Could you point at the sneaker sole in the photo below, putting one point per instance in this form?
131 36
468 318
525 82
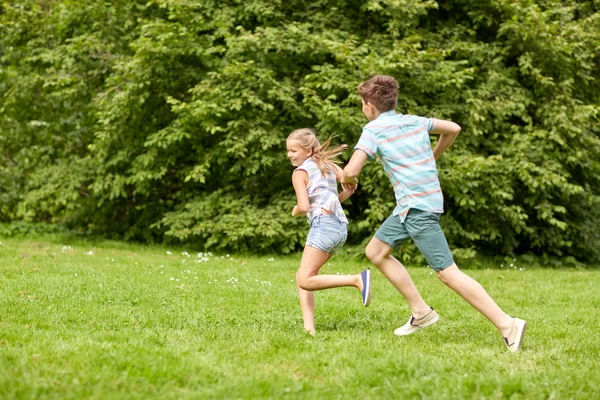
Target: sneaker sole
367 289
417 328
521 337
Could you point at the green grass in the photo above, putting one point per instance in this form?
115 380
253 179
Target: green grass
135 322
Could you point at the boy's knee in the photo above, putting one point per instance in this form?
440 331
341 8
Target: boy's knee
375 253
442 276
371 254
447 274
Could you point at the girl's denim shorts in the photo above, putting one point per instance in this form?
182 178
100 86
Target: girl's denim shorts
327 233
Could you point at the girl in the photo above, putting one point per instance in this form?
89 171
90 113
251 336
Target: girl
315 182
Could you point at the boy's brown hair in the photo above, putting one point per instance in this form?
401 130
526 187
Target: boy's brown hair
381 91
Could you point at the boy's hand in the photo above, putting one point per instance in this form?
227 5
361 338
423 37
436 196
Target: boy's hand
347 180
349 187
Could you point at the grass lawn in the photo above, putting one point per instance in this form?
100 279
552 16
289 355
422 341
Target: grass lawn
113 320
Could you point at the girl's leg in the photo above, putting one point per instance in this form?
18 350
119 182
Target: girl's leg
308 281
470 290
307 305
312 260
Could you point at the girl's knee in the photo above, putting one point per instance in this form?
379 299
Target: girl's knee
300 280
303 280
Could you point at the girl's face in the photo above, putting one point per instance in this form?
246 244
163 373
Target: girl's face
296 153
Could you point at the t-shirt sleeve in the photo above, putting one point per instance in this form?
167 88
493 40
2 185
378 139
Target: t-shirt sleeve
428 123
367 143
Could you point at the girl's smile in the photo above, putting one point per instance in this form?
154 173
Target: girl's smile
296 153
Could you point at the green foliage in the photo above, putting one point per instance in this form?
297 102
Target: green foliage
29 229
166 120
224 226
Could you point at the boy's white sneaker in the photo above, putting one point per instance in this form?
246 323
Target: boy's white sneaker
416 324
514 340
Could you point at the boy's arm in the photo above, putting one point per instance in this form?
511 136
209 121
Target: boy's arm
448 132
348 190
300 180
354 166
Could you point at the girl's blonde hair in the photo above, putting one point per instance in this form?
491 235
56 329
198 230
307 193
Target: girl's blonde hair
324 156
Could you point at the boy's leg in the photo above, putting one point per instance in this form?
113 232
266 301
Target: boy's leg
427 234
380 254
512 329
470 290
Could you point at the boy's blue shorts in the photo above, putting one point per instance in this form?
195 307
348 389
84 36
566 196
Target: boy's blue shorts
424 229
327 233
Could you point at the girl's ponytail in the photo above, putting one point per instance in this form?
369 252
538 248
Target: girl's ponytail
324 156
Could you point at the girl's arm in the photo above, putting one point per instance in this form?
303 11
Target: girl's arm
300 180
347 190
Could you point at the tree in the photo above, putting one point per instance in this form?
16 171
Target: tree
166 120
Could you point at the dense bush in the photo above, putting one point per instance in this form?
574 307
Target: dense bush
150 120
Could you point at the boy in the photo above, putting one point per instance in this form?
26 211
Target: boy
402 144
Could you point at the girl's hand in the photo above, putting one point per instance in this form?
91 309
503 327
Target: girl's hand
349 188
295 211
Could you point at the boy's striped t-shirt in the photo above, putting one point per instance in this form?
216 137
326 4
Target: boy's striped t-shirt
401 142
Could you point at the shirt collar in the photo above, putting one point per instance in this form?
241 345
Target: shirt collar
389 113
